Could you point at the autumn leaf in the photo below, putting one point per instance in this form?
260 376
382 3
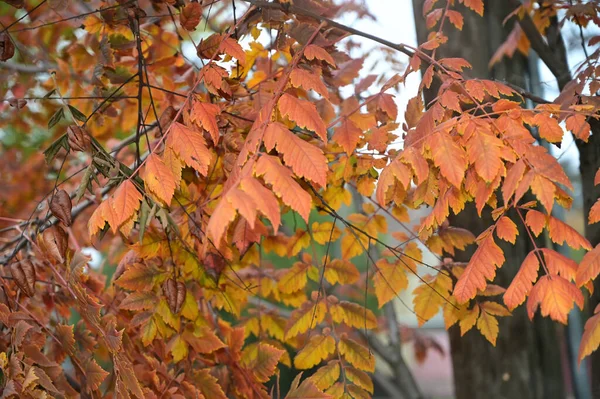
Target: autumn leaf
356 354
305 159
591 335
205 115
303 113
347 135
589 267
190 146
488 326
449 157
523 281
549 128
318 348
262 360
431 295
482 266
555 295
158 179
284 185
308 81
125 202
561 232
312 52
506 229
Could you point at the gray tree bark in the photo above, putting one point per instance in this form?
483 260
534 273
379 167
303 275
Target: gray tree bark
526 362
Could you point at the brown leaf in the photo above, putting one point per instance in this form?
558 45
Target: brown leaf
78 138
175 292
60 205
15 3
7 48
54 243
23 273
190 16
17 103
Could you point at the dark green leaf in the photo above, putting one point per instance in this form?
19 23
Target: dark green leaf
77 114
58 115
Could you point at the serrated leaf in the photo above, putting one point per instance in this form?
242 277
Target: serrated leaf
158 179
317 349
303 113
556 296
356 354
480 268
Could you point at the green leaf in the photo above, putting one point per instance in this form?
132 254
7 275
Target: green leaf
77 114
58 115
52 150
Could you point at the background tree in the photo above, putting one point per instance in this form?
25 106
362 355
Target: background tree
214 182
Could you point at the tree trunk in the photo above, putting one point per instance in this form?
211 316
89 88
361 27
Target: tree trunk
589 162
526 362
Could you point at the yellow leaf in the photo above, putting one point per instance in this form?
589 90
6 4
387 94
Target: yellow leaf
488 326
318 348
327 375
428 298
389 280
308 316
353 315
322 233
469 319
359 378
341 271
189 309
356 354
178 348
294 278
148 332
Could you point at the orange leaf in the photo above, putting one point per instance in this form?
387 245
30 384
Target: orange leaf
506 229
125 202
589 267
482 266
308 81
284 185
158 179
544 190
303 113
536 221
262 360
549 128
594 216
556 296
484 152
313 51
522 282
455 18
305 159
559 264
264 199
94 375
591 335
205 114
512 180
579 126
475 5
190 146
347 135
449 157
561 232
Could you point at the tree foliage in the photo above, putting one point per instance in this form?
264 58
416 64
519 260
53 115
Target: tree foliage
219 181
